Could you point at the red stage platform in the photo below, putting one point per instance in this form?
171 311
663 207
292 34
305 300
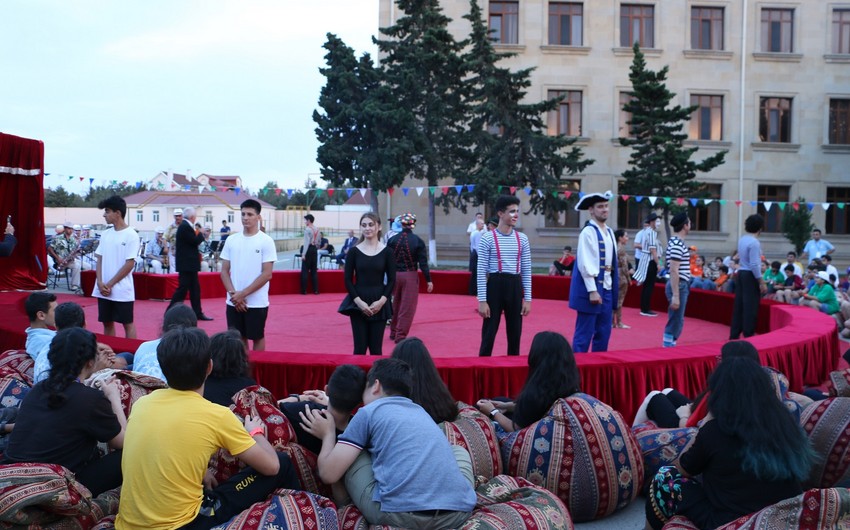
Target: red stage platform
799 342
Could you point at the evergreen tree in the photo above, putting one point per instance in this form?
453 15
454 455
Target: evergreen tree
268 193
660 164
512 147
99 193
797 224
61 198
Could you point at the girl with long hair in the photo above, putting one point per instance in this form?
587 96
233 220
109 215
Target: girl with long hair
230 372
552 375
61 420
428 391
750 454
368 301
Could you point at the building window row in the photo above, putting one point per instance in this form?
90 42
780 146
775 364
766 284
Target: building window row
637 25
837 219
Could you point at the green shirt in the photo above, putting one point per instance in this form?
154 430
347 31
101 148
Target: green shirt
770 277
826 296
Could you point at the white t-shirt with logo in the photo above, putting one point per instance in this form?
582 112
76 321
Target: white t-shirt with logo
115 248
246 256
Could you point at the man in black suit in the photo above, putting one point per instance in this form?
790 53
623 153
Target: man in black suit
188 261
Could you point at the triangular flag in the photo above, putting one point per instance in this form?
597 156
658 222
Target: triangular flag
513 190
363 192
554 194
200 189
277 191
679 200
499 189
667 200
238 190
405 191
707 201
391 191
330 192
70 177
767 205
753 203
810 206
722 202
459 189
840 205
580 194
638 198
432 189
419 190
781 205
693 202
212 188
795 205
470 188
625 197
652 200
527 190
138 185
825 205
567 194
737 203
349 191
289 193
319 192
445 190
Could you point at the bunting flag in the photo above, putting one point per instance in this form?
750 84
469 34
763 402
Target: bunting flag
527 190
405 191
419 191
445 190
459 189
470 187
363 192
825 205
767 205
638 198
349 191
391 191
652 200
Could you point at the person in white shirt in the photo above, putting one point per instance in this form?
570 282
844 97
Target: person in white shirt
247 261
830 269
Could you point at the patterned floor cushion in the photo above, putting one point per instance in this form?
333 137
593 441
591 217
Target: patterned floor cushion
815 509
350 518
287 510
47 496
18 364
780 384
133 385
583 451
838 384
475 432
12 391
660 447
828 425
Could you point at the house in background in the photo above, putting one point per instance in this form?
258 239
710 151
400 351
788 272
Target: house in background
168 181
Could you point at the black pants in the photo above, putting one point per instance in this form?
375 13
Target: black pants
473 268
241 491
662 409
101 475
504 294
310 265
746 309
368 334
188 281
648 286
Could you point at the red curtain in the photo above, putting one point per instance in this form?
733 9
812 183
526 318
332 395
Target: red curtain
22 197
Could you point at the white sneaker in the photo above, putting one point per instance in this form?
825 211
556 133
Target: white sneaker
640 415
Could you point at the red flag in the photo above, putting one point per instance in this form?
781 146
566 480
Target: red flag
567 194
737 203
277 191
625 197
331 192
795 205
680 201
391 191
445 190
513 190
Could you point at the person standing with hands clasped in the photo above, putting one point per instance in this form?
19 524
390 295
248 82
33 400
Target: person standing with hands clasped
368 301
678 257
749 285
310 255
504 278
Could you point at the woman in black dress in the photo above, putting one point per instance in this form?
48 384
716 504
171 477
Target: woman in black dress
368 265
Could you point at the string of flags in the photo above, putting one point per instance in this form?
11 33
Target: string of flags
460 188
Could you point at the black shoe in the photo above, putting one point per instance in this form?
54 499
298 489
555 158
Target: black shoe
204 317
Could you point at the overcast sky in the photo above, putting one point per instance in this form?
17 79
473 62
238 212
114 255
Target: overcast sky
120 90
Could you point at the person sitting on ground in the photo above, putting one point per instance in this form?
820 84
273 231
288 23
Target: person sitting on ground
341 396
750 454
428 391
230 372
146 361
40 308
821 296
552 375
563 266
774 278
62 420
792 284
429 487
171 435
722 278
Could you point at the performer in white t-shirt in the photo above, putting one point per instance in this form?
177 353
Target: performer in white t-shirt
247 261
116 259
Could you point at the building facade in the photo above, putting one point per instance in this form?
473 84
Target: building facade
771 79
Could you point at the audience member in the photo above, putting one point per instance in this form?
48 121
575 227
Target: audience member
563 266
230 372
792 284
791 259
749 455
350 241
625 270
224 231
699 276
170 438
146 361
40 308
62 420
156 253
821 296
323 245
552 375
430 487
64 249
473 226
171 239
429 391
722 278
830 269
816 248
774 278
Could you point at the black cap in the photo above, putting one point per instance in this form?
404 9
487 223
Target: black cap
651 217
679 221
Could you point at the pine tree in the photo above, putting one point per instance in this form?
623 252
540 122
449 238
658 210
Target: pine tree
661 165
61 198
797 224
512 147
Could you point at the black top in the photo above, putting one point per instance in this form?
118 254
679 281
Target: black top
67 435
409 251
364 277
221 389
731 491
186 253
291 410
8 245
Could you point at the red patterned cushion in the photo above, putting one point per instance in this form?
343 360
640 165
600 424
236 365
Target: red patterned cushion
46 495
515 503
475 432
584 452
827 423
133 385
838 384
350 518
287 509
815 509
18 364
661 447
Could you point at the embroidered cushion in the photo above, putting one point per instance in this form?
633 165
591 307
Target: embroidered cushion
287 510
12 391
828 425
133 385
509 502
475 432
660 447
780 384
815 509
838 384
583 451
18 364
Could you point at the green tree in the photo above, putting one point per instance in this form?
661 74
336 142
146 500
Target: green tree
61 198
797 224
660 163
98 193
512 147
269 194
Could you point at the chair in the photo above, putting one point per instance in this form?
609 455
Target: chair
328 261
296 259
54 274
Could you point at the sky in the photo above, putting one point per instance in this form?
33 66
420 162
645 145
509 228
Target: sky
121 90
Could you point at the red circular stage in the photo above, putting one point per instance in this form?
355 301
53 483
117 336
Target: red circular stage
307 338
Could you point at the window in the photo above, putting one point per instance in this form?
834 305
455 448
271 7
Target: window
504 22
637 25
707 28
775 120
230 216
156 216
565 24
624 130
837 219
706 217
208 218
630 214
566 119
569 218
777 30
772 218
707 120
839 121
140 216
841 31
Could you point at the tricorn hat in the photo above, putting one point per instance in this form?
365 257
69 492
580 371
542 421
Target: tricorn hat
592 198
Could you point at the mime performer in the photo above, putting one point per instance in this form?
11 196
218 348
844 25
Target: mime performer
593 289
